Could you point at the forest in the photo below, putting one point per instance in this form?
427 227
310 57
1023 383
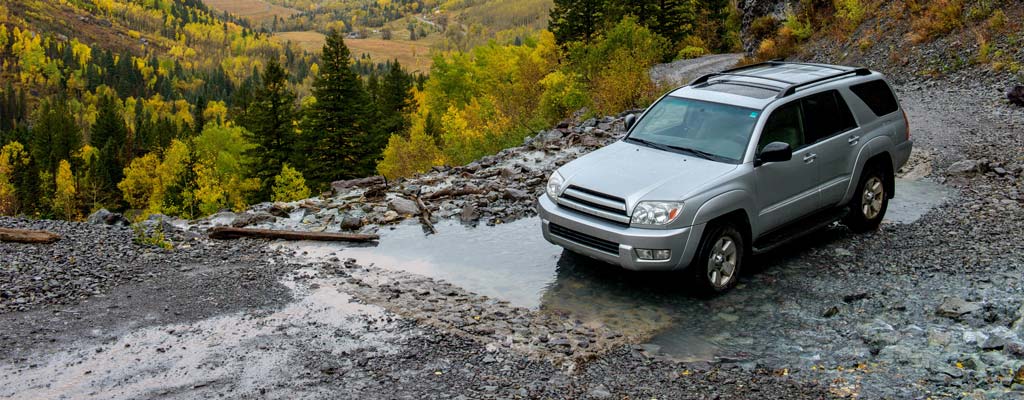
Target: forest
165 106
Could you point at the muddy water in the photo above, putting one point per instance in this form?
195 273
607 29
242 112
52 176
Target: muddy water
513 262
242 352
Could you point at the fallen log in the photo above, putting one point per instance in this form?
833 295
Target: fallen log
224 232
27 236
425 215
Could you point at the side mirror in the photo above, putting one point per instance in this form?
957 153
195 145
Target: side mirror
774 152
630 121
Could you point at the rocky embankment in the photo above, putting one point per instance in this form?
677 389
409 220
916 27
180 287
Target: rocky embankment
491 190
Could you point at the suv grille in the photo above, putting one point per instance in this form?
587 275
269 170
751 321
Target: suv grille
597 204
584 239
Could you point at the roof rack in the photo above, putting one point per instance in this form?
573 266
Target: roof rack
791 87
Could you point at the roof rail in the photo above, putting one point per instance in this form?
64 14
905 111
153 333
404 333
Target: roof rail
792 88
732 71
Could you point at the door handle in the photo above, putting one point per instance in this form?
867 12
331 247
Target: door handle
853 140
810 157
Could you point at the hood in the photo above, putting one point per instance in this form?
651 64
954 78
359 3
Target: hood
635 172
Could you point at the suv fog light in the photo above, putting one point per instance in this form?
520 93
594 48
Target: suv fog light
649 254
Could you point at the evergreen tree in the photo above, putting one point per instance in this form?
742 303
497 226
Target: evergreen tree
269 123
55 136
339 138
576 20
395 100
109 135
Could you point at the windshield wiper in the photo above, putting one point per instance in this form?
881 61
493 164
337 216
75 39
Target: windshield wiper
702 154
649 143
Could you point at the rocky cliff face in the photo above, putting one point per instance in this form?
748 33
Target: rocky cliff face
754 9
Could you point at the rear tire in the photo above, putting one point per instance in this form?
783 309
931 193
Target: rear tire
718 263
867 208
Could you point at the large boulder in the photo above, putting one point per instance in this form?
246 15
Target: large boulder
105 217
1016 95
404 206
964 167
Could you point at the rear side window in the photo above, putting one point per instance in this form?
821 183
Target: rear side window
878 96
826 114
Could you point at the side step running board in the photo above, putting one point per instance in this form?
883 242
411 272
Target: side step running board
799 229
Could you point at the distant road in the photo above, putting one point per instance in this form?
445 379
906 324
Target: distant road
682 71
427 21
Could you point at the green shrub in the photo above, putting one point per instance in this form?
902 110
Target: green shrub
689 52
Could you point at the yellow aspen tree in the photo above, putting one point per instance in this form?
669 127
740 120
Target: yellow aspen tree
64 201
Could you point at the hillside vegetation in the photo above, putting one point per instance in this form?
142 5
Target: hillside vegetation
924 38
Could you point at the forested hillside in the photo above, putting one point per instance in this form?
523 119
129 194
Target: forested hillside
155 105
165 106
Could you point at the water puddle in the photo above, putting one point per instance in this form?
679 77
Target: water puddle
246 351
914 198
513 262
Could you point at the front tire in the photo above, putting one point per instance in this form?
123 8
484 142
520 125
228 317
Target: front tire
867 208
720 259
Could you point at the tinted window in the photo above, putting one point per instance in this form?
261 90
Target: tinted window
783 125
878 97
826 114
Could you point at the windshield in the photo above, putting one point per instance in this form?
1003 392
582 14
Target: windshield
711 130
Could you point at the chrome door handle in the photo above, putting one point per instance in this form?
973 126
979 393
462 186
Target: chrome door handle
853 139
810 157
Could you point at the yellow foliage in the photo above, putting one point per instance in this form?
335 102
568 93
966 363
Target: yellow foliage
407 157
64 200
289 185
622 85
141 182
216 112
939 17
12 155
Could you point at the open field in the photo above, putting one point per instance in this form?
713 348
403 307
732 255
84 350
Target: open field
414 55
255 10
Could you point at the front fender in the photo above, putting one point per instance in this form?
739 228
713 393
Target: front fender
725 203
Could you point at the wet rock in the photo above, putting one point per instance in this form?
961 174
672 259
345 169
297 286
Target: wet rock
280 210
349 222
516 194
403 206
105 217
338 186
469 214
390 216
247 219
954 307
964 167
599 393
850 298
1016 95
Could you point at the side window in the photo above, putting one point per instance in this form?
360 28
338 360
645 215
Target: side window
826 114
878 96
784 125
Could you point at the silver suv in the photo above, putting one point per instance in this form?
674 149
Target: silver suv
733 164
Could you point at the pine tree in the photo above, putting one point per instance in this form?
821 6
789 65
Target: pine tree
109 135
55 136
269 120
576 20
395 100
339 137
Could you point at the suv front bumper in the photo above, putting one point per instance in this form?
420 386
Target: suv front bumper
596 238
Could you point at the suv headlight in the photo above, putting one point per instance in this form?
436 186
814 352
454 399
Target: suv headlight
656 212
555 183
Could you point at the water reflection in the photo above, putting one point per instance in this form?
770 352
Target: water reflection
777 295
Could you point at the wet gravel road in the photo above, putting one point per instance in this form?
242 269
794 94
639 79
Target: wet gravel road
932 305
